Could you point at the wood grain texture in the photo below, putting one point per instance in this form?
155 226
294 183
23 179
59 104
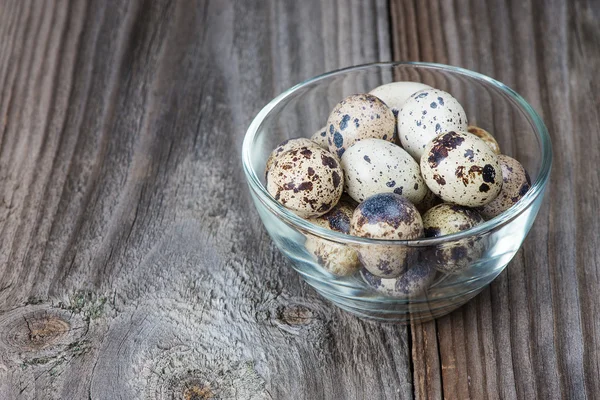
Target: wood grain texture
534 332
131 265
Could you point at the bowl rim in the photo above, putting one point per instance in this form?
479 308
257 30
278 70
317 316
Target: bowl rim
537 188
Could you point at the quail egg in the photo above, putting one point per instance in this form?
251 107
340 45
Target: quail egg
425 115
486 137
320 138
307 180
445 219
357 117
286 145
396 93
460 168
516 183
410 284
374 166
386 216
429 201
336 258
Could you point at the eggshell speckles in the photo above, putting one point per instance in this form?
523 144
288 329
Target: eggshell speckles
386 216
486 137
287 145
374 166
338 259
445 219
396 93
357 117
460 168
410 284
425 115
516 183
320 138
429 201
307 180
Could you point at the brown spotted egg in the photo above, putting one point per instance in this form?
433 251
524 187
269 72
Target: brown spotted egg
374 166
460 168
486 137
445 219
429 201
396 93
425 115
516 183
287 145
357 117
338 259
307 180
410 284
386 216
320 138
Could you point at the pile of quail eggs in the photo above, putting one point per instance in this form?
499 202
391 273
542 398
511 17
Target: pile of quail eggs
398 163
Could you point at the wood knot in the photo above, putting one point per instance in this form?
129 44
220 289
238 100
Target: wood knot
296 315
38 331
45 331
306 321
168 376
197 392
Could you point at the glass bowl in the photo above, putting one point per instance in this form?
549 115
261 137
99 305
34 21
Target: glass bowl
487 248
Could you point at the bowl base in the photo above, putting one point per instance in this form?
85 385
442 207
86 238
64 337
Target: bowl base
417 312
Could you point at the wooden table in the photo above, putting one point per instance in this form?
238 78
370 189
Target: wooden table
132 264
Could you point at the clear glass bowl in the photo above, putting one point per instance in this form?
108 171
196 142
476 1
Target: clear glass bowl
303 109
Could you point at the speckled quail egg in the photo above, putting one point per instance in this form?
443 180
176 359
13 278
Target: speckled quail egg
338 259
374 166
320 138
410 284
307 180
386 216
460 168
445 219
396 93
287 145
486 137
516 183
425 115
429 201
357 117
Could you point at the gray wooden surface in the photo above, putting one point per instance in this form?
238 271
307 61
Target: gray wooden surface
132 265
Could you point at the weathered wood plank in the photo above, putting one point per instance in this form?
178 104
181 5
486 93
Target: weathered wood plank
426 362
584 42
534 332
131 265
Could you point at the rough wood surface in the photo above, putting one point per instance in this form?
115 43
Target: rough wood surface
535 333
131 265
